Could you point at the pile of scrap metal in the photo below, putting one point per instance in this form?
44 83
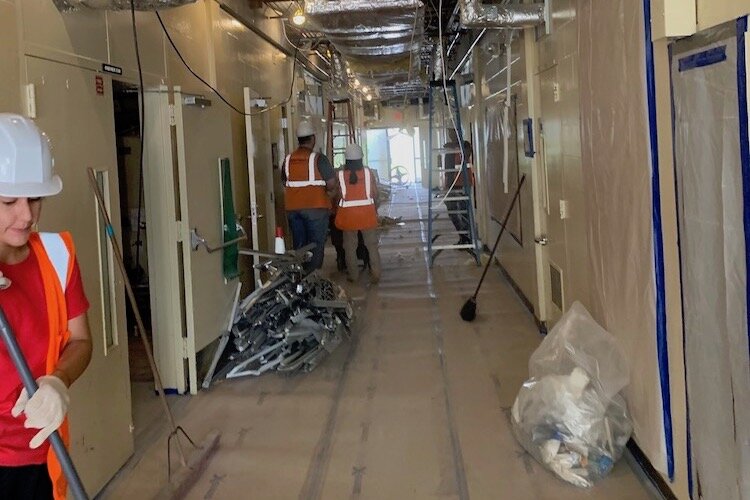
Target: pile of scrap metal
290 323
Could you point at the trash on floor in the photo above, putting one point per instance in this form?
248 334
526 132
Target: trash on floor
570 414
290 323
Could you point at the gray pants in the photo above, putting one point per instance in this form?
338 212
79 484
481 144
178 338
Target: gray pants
370 237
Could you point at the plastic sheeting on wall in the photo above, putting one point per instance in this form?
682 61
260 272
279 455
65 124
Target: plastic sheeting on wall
617 180
711 211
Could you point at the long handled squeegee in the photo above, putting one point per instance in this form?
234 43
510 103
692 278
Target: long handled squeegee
74 482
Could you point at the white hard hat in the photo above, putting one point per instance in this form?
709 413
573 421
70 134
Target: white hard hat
305 129
25 160
353 152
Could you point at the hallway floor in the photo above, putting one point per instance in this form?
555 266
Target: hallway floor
416 406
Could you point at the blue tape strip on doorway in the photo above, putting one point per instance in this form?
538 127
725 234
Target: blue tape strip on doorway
744 147
661 316
703 59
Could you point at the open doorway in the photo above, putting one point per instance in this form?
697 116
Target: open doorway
133 220
395 154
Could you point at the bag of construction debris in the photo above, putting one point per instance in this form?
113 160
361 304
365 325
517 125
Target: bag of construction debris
570 414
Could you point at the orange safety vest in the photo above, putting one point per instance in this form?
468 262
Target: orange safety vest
304 187
56 255
357 207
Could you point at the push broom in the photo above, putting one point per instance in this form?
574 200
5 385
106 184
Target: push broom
181 483
469 310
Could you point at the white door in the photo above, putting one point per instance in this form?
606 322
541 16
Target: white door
100 411
260 175
204 138
553 237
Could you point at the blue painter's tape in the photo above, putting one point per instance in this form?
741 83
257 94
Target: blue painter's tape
110 231
661 314
744 146
703 59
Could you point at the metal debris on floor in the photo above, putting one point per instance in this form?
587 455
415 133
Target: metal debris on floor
290 323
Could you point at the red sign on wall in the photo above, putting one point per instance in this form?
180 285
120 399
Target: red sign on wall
99 85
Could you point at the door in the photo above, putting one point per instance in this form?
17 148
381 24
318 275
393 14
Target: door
100 410
203 140
712 171
260 175
553 237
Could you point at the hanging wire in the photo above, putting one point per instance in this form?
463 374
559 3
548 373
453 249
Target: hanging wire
219 95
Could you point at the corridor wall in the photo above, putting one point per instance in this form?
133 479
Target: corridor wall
617 180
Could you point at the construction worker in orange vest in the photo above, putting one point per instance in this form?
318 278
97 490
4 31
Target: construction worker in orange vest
357 211
42 295
309 186
456 179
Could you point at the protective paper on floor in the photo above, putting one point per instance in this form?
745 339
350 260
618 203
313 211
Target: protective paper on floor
617 183
714 274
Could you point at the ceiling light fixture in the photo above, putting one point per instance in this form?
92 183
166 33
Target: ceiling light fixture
299 17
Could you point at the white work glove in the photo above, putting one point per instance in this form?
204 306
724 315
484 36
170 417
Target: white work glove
45 410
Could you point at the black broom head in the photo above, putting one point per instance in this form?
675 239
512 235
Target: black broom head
469 310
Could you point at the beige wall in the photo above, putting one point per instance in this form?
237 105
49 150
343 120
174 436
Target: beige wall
714 12
517 252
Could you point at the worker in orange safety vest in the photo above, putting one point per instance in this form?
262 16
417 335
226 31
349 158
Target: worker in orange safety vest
42 295
357 211
309 185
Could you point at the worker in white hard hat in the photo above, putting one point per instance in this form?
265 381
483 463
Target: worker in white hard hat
42 296
309 186
358 211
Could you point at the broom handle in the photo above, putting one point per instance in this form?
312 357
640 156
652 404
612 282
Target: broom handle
136 310
22 367
502 230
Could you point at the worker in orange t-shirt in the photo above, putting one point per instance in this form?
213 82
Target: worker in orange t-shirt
42 295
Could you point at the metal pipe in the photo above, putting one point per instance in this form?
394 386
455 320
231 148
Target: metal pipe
22 367
474 14
73 5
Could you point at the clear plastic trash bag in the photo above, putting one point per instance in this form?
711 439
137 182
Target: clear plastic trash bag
570 415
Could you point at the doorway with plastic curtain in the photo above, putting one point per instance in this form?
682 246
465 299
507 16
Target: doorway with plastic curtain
712 171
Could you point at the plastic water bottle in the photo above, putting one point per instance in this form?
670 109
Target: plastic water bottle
279 246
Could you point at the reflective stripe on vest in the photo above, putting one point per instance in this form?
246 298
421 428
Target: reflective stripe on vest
58 254
311 180
344 203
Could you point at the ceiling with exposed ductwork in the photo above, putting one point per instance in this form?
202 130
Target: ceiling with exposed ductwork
386 49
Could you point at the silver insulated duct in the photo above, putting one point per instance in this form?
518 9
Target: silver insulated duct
474 14
71 5
380 39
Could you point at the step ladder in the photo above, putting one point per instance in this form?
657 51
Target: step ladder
340 112
443 104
